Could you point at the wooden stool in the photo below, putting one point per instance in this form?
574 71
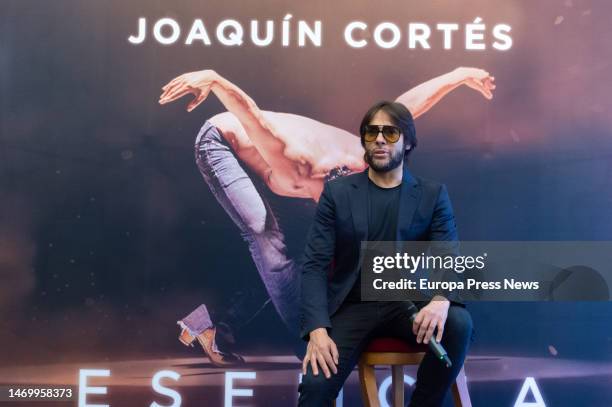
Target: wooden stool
397 353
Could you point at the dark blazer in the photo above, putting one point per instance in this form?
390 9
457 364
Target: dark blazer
341 223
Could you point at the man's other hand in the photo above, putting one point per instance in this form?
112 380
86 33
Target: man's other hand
321 350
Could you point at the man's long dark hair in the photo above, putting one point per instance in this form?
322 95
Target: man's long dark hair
400 116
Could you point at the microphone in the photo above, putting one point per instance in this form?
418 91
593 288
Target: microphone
436 348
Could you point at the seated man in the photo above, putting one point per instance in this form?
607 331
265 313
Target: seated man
383 203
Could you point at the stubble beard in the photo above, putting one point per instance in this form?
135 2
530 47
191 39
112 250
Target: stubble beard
384 165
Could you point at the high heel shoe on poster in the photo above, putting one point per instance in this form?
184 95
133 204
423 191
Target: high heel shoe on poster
199 321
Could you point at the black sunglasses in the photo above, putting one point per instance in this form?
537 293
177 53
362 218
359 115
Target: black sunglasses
390 133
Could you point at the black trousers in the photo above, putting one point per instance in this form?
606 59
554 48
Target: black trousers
356 323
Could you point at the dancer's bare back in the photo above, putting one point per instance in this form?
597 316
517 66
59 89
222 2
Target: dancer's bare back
308 144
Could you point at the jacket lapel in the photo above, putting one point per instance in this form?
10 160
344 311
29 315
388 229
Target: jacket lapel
410 194
359 205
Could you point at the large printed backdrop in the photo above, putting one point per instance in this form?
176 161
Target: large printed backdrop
109 233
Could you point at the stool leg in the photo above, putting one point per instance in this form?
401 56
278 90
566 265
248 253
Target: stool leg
461 396
367 378
397 382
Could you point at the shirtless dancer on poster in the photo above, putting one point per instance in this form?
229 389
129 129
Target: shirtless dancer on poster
293 155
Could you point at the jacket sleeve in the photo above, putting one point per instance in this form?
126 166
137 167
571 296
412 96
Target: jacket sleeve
443 227
444 239
318 254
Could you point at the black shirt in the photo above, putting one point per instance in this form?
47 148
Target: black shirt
383 205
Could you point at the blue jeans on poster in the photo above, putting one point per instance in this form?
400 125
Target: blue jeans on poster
251 212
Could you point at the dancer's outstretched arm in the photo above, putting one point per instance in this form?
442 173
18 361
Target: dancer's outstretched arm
261 132
423 97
